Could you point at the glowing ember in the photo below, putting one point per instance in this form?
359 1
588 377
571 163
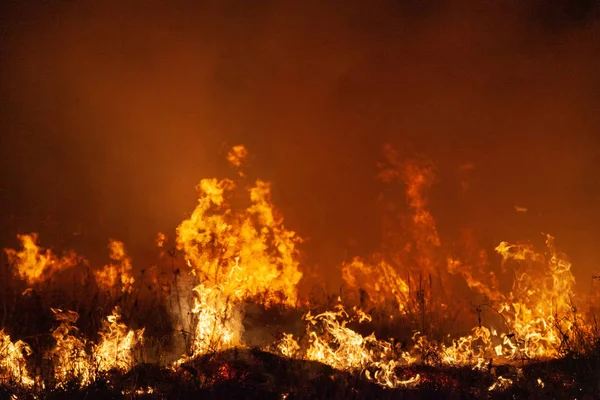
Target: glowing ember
237 155
501 384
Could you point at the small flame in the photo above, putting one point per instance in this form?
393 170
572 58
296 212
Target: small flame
501 384
236 157
33 264
161 238
118 273
115 350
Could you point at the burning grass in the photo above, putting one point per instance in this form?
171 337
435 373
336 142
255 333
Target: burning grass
220 313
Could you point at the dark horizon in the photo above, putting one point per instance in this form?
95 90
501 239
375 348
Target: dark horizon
111 113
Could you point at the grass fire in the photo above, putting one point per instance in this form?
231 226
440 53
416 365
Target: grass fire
340 199
419 317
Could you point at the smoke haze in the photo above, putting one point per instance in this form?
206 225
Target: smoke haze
111 112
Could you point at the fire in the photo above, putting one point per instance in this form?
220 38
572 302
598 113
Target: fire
470 350
338 345
538 312
288 346
236 255
239 251
380 281
13 363
333 343
501 384
118 273
540 382
115 350
70 355
218 325
237 155
161 238
540 300
33 264
77 359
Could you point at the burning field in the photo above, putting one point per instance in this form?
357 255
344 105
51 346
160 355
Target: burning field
339 199
220 312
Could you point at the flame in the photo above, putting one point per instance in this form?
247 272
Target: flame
288 346
70 357
35 265
238 250
380 281
236 255
115 350
333 343
79 360
219 323
501 384
161 238
141 391
237 155
118 273
540 298
471 350
457 267
13 364
350 351
538 312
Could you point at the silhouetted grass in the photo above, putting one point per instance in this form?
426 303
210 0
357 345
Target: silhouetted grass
25 313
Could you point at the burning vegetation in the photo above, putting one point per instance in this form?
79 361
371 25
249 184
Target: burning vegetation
418 317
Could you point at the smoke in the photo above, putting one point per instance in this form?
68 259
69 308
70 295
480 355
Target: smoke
112 111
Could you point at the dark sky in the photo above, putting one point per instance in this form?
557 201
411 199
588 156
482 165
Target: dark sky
111 112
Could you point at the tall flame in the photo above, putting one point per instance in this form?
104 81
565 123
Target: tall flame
236 255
